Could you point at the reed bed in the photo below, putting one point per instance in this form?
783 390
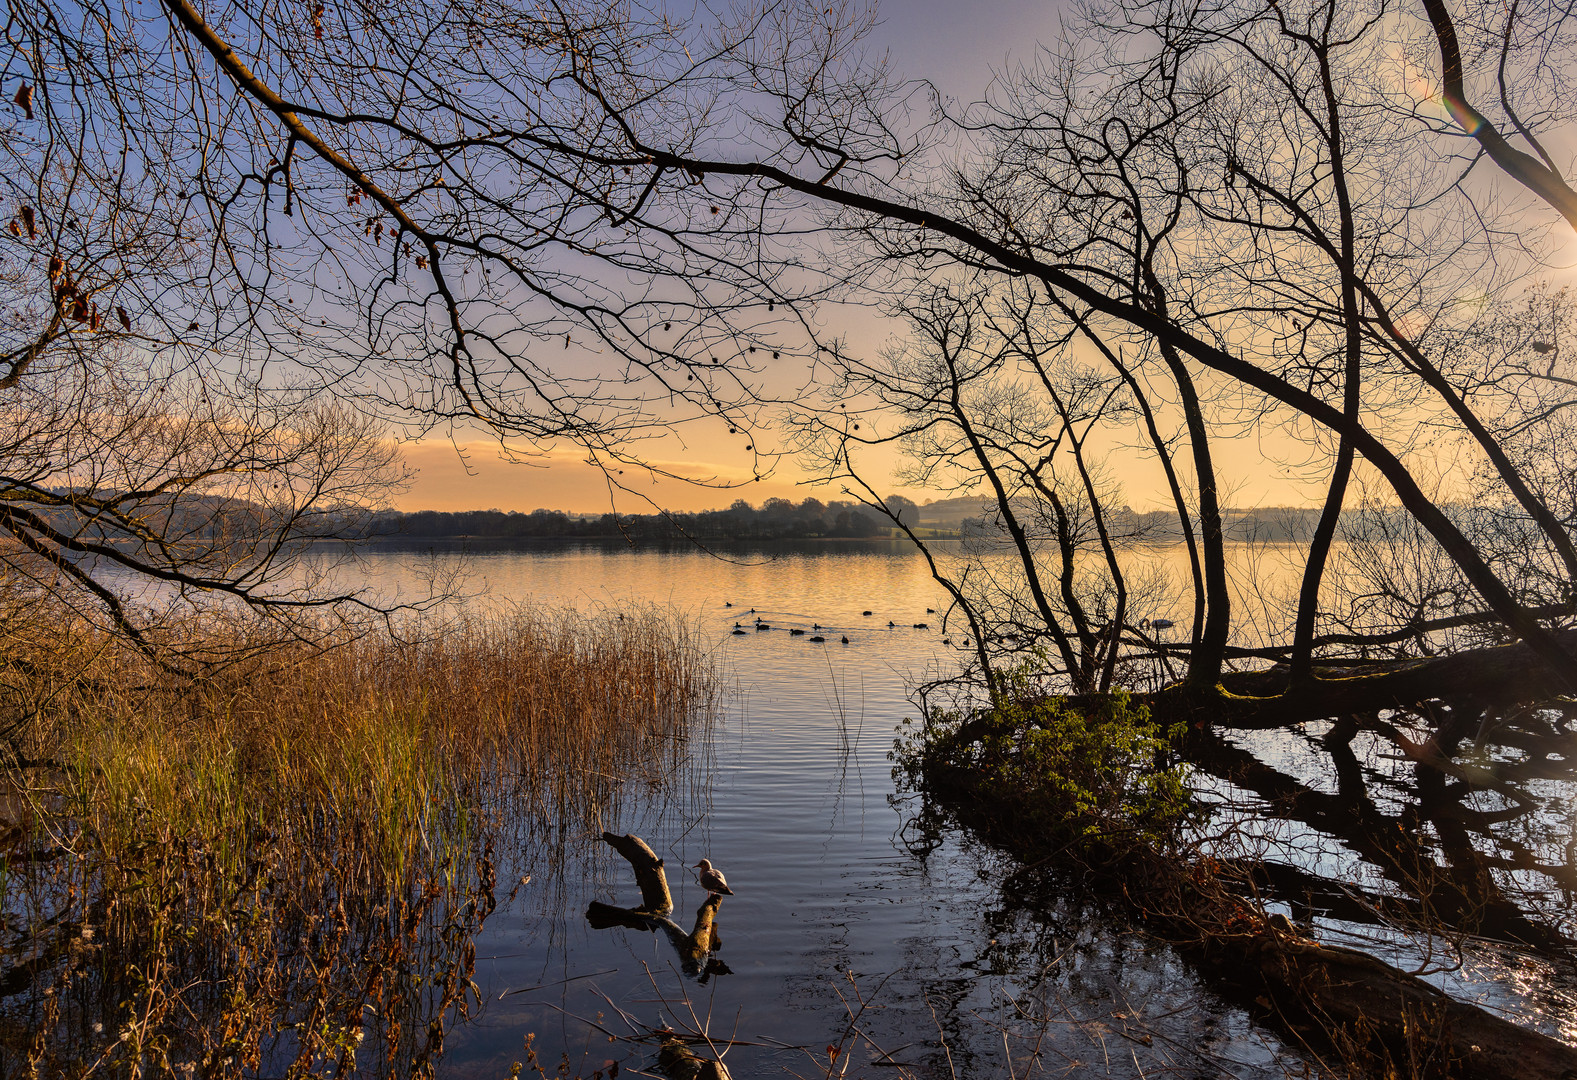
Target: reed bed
282 867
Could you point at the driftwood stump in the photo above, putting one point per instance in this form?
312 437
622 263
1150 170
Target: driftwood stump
655 898
694 949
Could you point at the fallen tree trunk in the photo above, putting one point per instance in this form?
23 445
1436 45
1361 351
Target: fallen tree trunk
1501 673
1328 992
1469 903
1261 699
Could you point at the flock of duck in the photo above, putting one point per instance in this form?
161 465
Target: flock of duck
816 629
759 624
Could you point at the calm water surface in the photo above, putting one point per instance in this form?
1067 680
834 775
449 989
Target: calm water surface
792 796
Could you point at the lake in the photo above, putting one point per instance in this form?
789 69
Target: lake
842 907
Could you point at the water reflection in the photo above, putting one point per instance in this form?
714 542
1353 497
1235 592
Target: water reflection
897 940
835 915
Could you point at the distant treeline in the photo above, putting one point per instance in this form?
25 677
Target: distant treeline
781 519
776 519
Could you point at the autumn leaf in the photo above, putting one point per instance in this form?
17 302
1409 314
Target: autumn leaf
24 99
125 319
29 223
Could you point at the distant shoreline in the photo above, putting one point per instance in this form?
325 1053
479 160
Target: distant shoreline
780 519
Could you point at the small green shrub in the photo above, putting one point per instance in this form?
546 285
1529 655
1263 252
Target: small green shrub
1075 774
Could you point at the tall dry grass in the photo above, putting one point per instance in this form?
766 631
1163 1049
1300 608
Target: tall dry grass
261 868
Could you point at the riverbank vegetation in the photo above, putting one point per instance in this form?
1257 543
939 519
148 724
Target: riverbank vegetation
282 867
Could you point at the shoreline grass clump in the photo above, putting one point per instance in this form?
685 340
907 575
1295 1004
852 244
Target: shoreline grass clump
282 866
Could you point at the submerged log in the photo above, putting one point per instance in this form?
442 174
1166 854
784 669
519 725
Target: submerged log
1329 990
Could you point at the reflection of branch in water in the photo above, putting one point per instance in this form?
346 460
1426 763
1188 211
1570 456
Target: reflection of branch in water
694 949
1389 843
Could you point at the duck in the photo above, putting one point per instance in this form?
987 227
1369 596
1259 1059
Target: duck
795 631
865 613
712 880
818 638
845 639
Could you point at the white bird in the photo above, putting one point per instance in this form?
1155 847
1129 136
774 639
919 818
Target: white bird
712 880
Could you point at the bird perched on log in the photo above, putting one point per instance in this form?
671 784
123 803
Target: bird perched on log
712 880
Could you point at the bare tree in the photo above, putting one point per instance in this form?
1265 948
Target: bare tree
147 469
1238 202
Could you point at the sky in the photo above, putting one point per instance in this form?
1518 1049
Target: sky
958 47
